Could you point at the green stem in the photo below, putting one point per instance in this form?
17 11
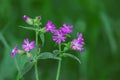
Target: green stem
58 71
18 76
36 38
36 71
19 72
59 65
59 47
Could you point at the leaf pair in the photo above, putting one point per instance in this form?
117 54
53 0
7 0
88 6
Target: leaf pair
48 55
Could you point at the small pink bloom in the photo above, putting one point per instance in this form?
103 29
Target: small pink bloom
14 51
27 46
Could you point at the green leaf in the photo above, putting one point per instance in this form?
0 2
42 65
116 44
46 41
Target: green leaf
72 56
48 55
28 28
18 76
42 38
67 46
20 62
56 52
27 66
67 35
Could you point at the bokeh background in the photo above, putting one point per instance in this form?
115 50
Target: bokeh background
98 20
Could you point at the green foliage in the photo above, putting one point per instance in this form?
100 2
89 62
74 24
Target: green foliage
27 66
42 38
28 28
71 56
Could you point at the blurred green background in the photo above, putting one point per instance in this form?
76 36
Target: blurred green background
98 20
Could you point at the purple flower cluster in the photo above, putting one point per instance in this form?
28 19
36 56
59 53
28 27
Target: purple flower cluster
59 35
27 47
77 44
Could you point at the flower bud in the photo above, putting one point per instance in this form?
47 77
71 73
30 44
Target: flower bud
39 17
28 55
37 21
28 19
21 52
25 17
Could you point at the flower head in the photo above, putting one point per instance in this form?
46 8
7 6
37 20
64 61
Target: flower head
27 46
50 26
59 36
14 51
66 29
77 44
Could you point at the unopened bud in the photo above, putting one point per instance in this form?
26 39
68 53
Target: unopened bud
28 55
28 19
25 17
21 52
39 17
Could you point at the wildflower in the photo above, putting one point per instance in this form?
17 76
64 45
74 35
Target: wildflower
27 46
66 29
77 44
80 38
14 51
50 26
59 36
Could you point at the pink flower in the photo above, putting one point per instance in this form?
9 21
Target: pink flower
14 51
59 36
77 44
27 46
50 26
66 29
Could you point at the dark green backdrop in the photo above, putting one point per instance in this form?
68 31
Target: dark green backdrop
98 20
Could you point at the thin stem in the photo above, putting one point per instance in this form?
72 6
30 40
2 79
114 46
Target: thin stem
16 63
59 47
36 71
36 37
58 71
59 65
19 73
18 76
